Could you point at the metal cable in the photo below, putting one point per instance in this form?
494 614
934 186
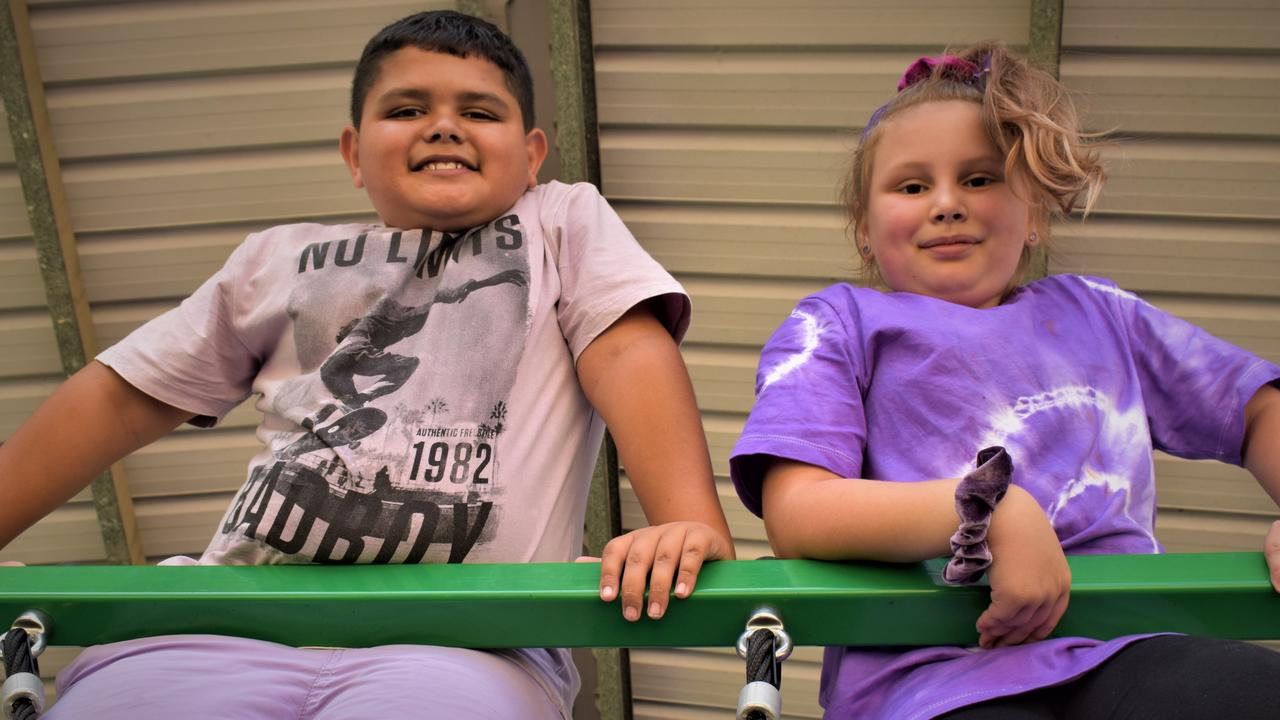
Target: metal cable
18 659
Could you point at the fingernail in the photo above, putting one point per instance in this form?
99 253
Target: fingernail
655 611
631 614
682 589
607 593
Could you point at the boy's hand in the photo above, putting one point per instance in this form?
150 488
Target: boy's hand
11 563
661 554
1030 578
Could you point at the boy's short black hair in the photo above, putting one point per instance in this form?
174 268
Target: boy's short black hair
452 33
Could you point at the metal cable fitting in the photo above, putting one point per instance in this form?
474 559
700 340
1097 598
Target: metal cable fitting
20 686
37 624
766 618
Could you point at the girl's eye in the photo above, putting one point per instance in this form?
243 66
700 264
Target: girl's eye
913 188
981 181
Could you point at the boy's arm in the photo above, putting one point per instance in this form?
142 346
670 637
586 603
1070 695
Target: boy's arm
635 378
811 512
1261 453
92 420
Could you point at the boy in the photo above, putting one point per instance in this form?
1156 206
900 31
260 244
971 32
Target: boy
429 389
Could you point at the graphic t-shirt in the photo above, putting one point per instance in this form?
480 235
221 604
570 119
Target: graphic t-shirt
1075 377
417 388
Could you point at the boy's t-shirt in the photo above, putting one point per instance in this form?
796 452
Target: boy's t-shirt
418 390
1075 377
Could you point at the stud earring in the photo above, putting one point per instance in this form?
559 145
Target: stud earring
1033 238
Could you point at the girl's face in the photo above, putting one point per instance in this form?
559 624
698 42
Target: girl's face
942 220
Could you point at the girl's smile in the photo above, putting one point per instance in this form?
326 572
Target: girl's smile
942 219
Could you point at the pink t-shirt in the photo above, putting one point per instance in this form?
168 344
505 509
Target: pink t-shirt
418 395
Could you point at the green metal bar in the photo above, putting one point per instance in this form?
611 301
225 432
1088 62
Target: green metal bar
1220 594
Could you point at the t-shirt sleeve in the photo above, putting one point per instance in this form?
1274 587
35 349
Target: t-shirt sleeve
1194 385
604 272
192 357
809 400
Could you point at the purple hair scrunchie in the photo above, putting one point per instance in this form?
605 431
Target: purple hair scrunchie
976 498
921 69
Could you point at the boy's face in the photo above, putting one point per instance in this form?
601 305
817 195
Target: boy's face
441 143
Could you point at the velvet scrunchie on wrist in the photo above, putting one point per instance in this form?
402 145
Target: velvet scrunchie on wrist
976 498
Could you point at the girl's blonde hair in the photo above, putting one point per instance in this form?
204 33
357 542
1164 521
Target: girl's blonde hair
1029 116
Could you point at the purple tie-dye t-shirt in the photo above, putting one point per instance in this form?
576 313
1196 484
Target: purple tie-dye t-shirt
1077 378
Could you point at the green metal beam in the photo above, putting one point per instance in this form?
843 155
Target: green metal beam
1221 594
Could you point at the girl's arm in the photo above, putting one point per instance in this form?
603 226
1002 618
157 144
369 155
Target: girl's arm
1261 453
92 420
635 378
811 512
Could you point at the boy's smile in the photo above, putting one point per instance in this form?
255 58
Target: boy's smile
441 143
942 219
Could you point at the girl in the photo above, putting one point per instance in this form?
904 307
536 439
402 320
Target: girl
1065 384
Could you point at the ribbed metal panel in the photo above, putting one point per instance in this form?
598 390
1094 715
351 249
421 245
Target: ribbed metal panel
726 127
1187 25
1190 218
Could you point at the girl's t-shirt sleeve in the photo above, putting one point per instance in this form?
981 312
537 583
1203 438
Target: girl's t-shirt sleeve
809 397
1194 385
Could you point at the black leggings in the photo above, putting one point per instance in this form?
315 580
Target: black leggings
1169 677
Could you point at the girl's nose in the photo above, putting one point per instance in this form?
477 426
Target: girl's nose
948 206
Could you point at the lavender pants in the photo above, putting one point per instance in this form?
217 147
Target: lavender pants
210 677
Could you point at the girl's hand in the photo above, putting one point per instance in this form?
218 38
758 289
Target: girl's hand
1271 550
664 553
1030 578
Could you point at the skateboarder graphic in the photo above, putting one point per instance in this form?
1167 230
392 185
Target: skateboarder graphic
363 342
348 429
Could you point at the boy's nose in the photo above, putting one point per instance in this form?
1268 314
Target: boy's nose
444 129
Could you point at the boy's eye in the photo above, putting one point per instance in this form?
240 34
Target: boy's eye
405 112
479 115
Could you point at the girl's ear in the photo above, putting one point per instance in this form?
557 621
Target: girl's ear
1038 225
862 240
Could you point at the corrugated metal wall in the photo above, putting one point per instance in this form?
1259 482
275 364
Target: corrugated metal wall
725 125
1191 217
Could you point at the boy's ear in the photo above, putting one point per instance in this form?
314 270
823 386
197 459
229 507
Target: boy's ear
349 146
535 143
